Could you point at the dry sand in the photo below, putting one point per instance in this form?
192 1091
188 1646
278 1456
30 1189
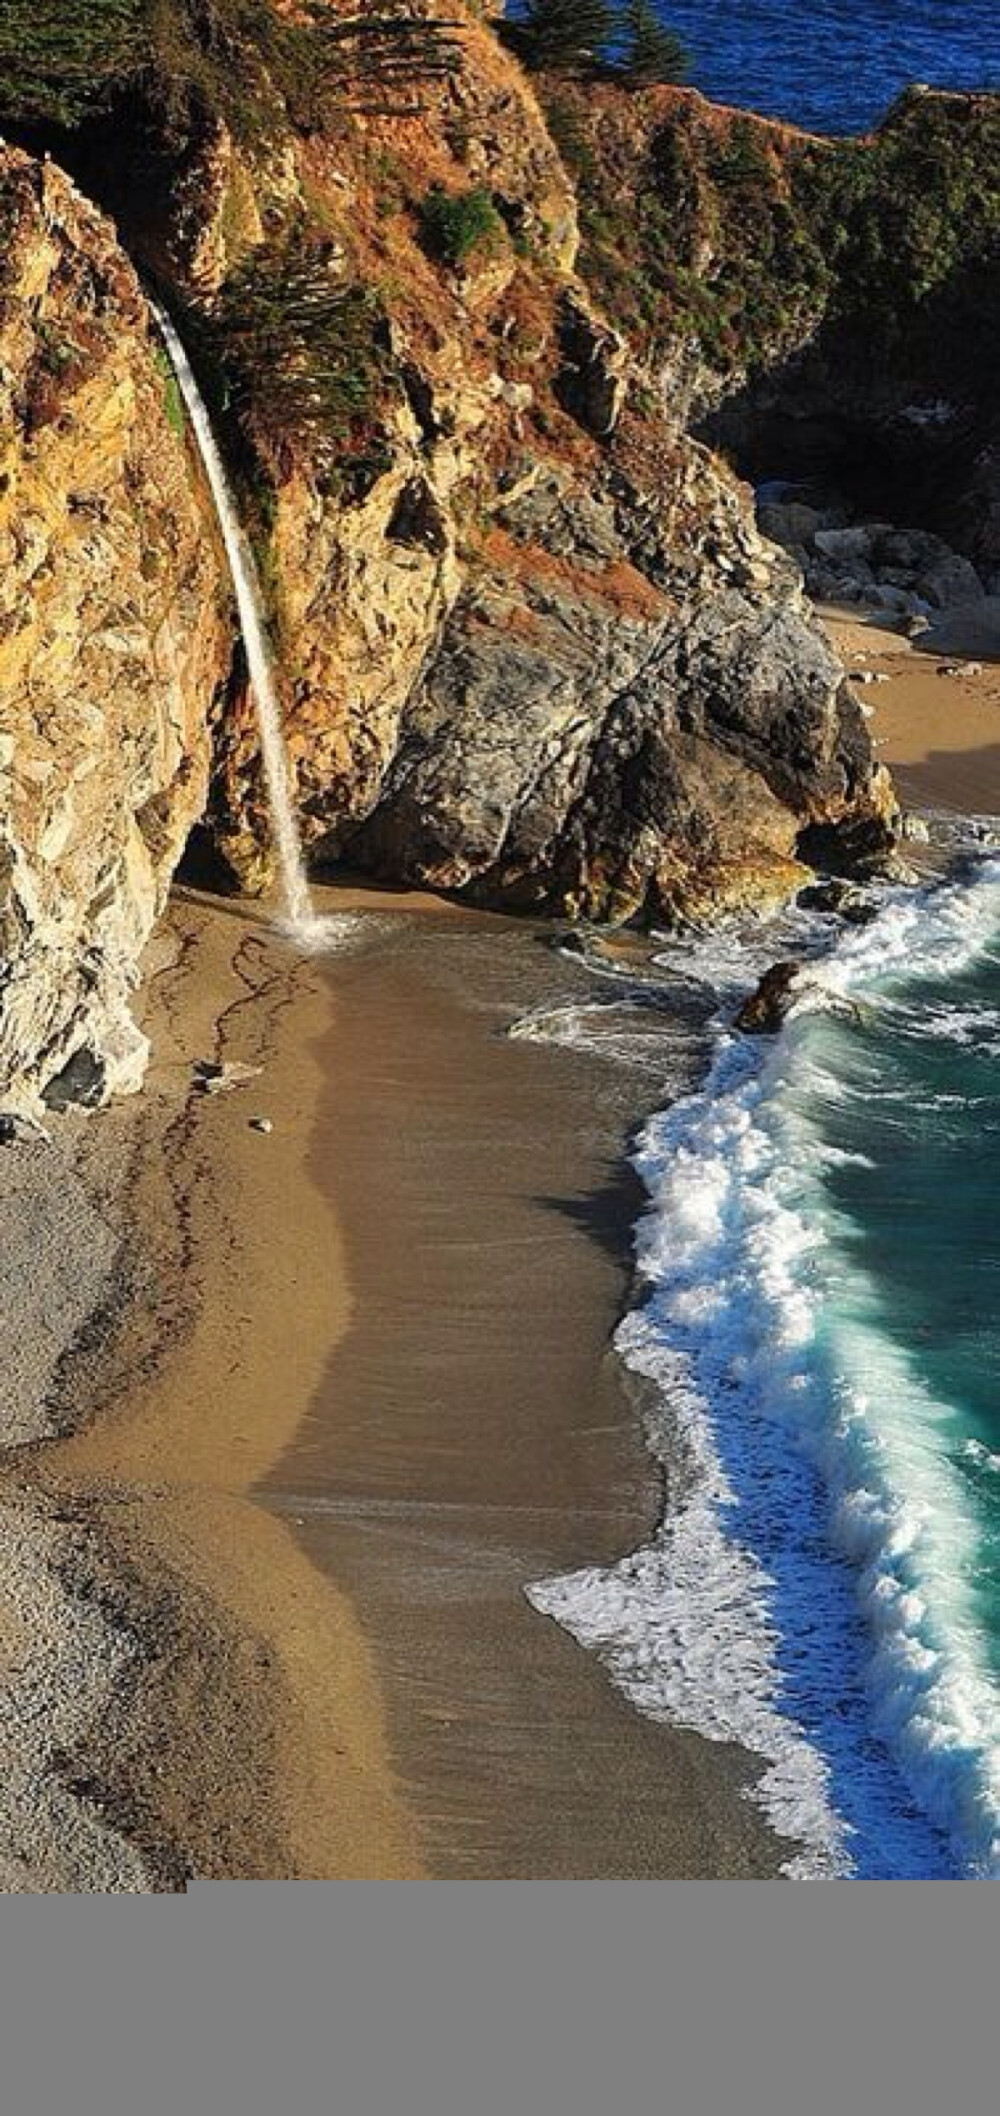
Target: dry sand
936 726
246 1733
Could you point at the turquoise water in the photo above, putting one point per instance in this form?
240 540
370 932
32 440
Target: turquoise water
835 65
920 1205
820 1313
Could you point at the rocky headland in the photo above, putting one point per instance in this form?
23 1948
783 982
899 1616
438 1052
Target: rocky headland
552 411
488 359
492 363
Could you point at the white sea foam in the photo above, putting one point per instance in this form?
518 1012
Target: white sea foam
807 1588
984 1457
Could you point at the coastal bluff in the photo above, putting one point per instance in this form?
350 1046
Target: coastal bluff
533 645
114 637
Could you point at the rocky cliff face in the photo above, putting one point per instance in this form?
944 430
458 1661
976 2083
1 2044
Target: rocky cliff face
815 307
112 641
533 646
535 650
648 717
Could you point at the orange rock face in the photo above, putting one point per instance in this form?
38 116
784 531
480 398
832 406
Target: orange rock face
112 641
532 647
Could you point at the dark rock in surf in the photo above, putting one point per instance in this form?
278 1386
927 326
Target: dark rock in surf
768 1008
839 899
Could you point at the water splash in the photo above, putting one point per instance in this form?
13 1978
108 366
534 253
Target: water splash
303 924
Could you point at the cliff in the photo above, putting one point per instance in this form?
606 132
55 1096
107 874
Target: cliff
112 642
811 306
533 645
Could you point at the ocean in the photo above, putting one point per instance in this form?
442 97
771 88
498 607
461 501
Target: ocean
819 1320
835 65
817 1316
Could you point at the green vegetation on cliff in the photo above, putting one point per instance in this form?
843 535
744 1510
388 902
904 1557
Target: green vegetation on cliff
622 38
60 65
739 239
186 62
454 224
302 359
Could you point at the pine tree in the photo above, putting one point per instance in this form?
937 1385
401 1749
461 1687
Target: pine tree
58 62
649 52
566 35
384 50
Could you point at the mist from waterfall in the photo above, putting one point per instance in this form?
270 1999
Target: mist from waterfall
305 925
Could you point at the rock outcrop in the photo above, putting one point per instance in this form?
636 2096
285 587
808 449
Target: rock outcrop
535 650
905 572
112 642
533 645
614 722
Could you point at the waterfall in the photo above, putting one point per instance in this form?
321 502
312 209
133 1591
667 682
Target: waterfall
298 904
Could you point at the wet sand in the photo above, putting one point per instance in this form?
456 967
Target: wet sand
351 1392
473 1432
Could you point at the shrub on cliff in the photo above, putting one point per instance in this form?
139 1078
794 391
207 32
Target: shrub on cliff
453 224
58 63
376 59
303 357
61 65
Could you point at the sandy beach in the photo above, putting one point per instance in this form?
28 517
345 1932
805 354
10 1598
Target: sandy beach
347 1392
239 1729
936 721
296 1415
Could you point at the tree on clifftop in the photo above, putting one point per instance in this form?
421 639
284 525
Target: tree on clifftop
649 52
564 35
622 40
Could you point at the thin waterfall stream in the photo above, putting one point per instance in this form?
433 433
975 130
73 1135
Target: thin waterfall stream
305 926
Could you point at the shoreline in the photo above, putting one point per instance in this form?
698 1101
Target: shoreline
275 1634
483 1432
256 1721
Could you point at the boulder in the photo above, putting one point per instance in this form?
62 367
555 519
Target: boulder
225 1078
839 899
848 545
951 580
790 523
768 1008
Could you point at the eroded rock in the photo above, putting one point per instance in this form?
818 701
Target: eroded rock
112 641
768 1008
